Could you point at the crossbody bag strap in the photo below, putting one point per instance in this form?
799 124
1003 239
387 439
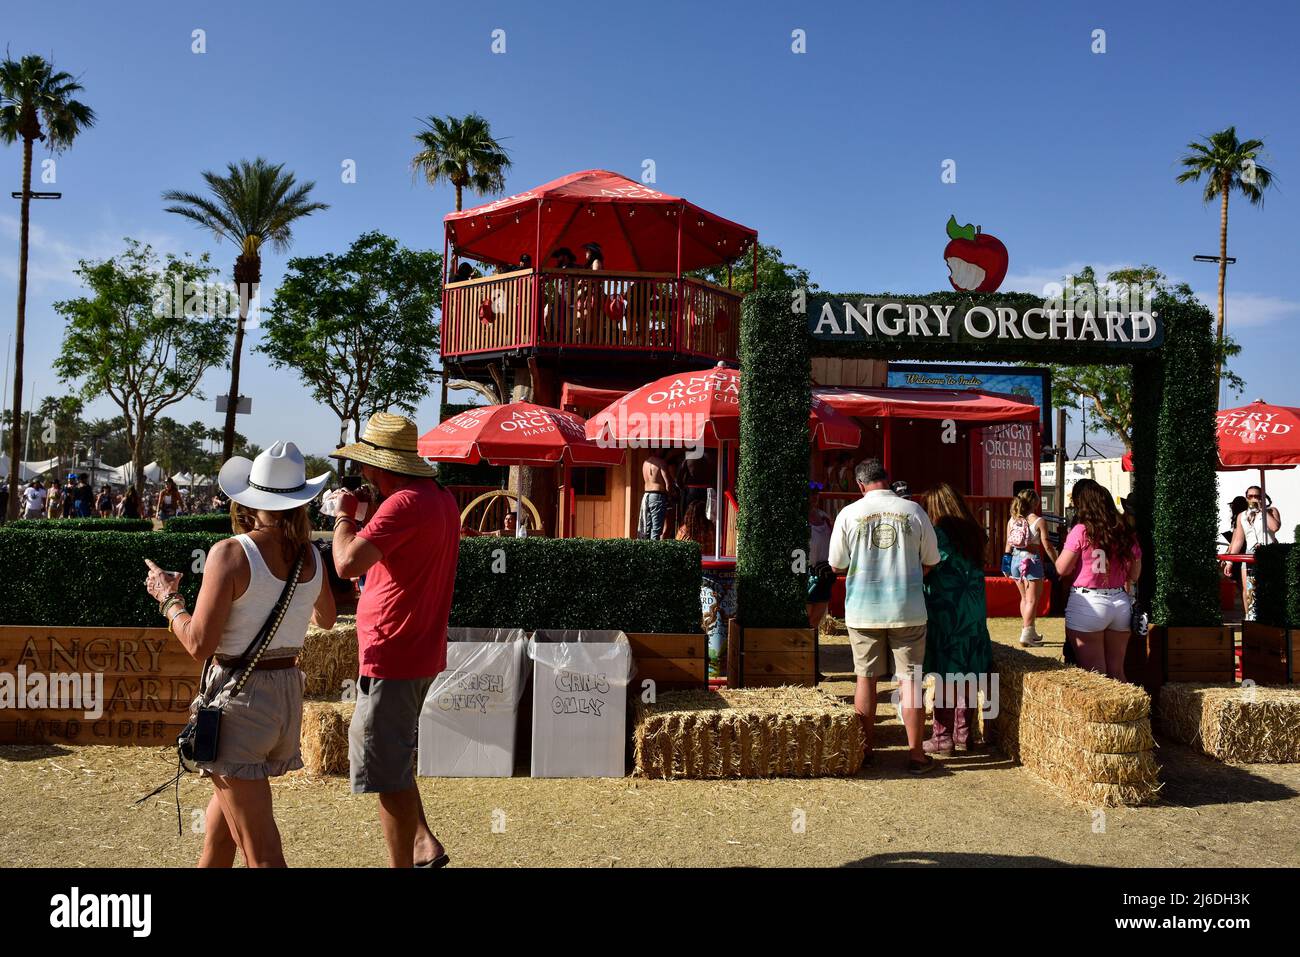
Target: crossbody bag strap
264 637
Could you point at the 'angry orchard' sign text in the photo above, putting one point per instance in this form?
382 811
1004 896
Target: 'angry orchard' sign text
894 320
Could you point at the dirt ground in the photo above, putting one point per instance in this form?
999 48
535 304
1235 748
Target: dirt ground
63 806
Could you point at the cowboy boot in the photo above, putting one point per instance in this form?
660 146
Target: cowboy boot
941 741
965 735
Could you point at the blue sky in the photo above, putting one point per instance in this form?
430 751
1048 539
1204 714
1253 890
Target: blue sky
834 155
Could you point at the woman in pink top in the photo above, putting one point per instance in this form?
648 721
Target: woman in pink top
1103 549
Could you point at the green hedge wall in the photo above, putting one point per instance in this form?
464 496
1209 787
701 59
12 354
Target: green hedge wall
1174 401
578 583
217 523
772 482
546 583
85 524
89 580
1277 585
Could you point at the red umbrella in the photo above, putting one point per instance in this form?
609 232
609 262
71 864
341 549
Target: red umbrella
691 408
701 408
1258 435
519 433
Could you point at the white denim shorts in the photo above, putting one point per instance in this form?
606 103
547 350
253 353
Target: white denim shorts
1099 609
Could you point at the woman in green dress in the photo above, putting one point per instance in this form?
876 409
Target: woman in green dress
957 640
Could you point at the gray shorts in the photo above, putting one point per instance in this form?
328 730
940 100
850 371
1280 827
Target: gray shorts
261 728
384 732
872 645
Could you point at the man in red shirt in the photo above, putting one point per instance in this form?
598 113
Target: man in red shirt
407 550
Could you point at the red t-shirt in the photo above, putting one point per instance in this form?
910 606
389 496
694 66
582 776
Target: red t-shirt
402 614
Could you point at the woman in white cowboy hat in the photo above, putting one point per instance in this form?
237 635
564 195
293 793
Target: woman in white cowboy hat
243 579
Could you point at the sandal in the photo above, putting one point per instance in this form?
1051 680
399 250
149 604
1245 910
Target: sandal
442 860
920 767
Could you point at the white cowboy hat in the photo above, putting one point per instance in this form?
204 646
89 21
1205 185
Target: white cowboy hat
275 481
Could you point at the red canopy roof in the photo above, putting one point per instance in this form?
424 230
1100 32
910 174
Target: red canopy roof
635 225
970 405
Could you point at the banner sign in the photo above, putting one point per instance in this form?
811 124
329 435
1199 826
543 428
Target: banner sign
832 319
1032 384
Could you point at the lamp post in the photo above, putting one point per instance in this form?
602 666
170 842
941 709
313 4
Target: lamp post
1223 325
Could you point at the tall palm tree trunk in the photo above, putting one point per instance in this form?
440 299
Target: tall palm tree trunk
1223 280
247 273
16 428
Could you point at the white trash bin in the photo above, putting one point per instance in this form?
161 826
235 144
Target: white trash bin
468 722
580 681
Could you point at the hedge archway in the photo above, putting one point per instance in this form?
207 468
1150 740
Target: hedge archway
1174 492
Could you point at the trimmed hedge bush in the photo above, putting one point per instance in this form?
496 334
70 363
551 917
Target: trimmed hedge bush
1175 496
212 522
527 583
91 580
1277 585
85 524
578 583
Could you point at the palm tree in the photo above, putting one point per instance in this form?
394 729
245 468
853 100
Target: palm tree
461 151
1227 164
36 103
252 204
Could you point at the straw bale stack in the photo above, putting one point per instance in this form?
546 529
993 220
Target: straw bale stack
746 733
1084 733
1231 723
325 736
329 658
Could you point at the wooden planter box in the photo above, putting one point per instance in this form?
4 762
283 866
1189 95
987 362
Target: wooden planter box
148 683
1191 655
671 661
778 656
1268 654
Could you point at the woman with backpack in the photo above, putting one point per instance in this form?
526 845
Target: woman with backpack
1026 544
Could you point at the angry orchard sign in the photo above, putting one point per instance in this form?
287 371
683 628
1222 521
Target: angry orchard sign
832 319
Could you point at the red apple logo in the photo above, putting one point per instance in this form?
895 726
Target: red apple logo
977 262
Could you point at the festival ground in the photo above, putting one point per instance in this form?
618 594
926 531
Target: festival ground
72 807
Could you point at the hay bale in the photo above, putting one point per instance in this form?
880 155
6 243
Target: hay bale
325 736
746 733
1083 733
1255 725
329 658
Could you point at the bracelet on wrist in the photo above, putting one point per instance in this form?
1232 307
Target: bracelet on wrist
345 518
169 600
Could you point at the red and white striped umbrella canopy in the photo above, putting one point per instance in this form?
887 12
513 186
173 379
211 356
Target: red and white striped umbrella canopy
700 407
520 433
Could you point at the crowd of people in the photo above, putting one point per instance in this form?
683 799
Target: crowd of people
75 497
915 595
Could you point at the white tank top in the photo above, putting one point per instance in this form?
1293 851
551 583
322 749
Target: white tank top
251 609
1257 532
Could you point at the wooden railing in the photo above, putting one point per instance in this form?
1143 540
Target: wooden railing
596 310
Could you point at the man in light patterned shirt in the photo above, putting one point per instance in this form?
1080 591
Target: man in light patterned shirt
887 546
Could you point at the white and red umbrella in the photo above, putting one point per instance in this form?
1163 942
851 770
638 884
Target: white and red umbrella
1258 435
701 408
519 433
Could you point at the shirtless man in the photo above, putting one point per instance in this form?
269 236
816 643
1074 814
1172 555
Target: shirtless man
657 477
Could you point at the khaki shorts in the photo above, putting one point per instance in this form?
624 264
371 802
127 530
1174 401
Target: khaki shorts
870 645
261 728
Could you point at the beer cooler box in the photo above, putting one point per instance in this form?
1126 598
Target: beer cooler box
580 681
468 722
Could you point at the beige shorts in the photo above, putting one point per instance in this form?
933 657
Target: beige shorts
870 646
261 729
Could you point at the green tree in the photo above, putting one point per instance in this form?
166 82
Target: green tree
253 204
773 272
461 151
118 343
1226 164
1108 388
359 327
58 419
36 103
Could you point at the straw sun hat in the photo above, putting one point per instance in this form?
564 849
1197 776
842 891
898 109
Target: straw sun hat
389 442
274 481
